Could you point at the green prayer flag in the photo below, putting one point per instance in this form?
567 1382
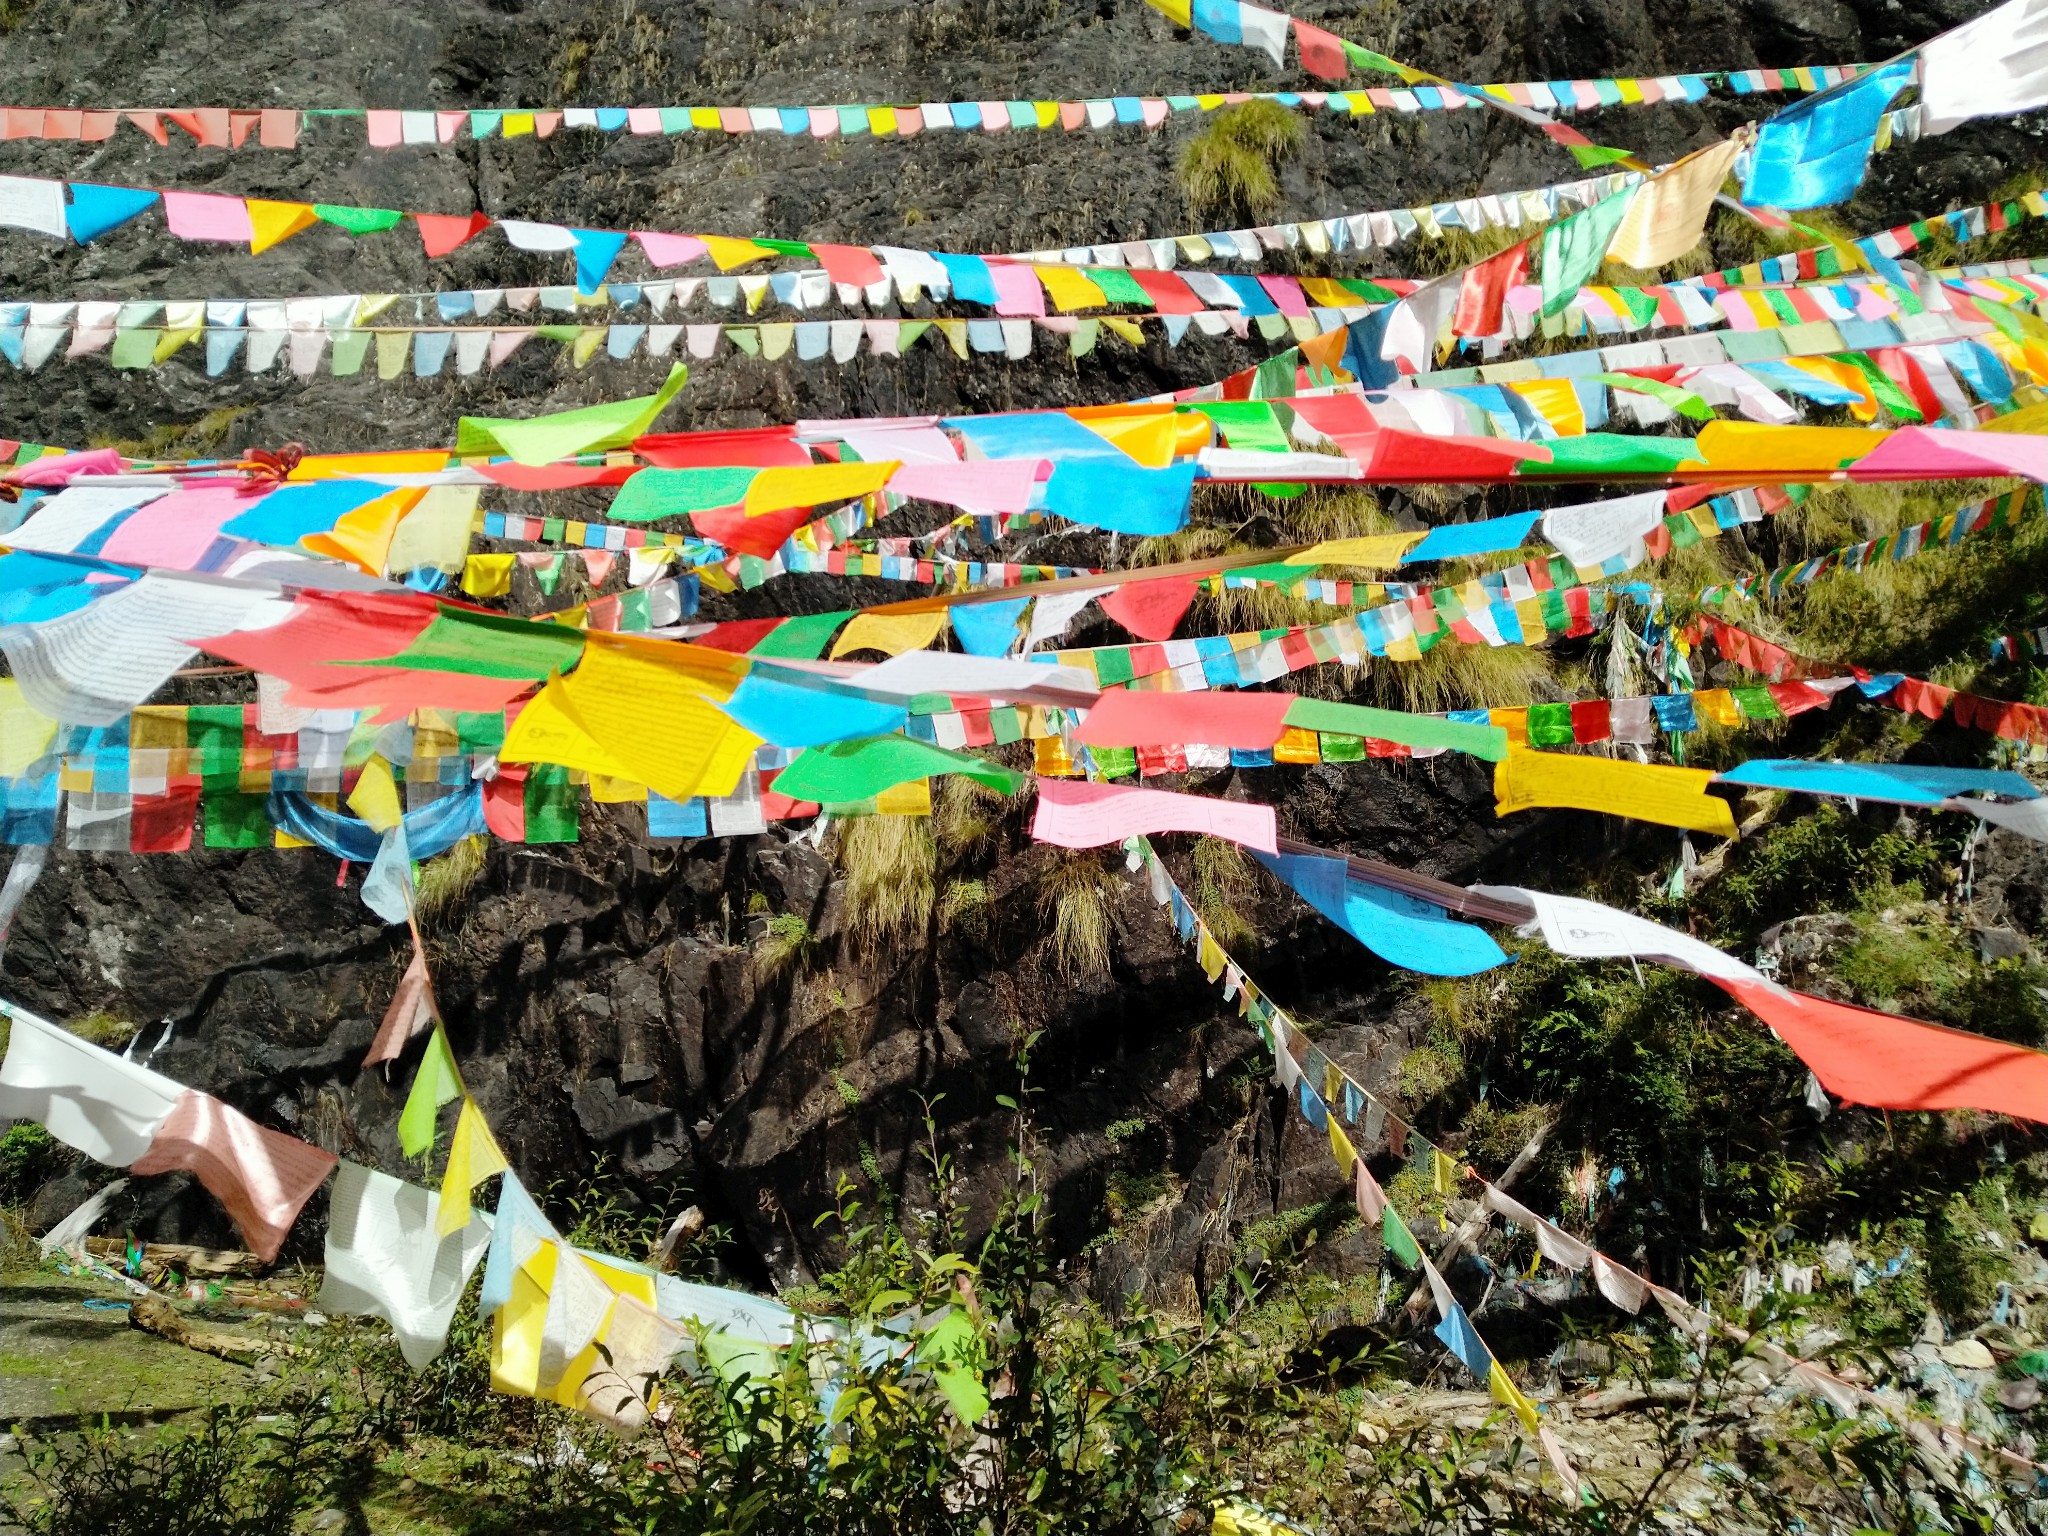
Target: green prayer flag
867 765
1550 725
1247 424
1612 452
1574 248
1485 741
434 1084
1683 401
1365 58
357 221
1593 156
1399 1240
1113 665
1113 762
486 645
1341 748
134 349
1893 399
233 819
802 638
480 730
213 733
544 439
1756 703
1118 286
550 804
656 493
548 574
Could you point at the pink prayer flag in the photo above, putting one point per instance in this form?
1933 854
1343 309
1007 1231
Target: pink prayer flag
1123 718
1073 813
408 1013
1936 451
1154 111
909 120
384 128
995 116
175 530
1151 610
669 250
979 485
735 120
1073 115
448 124
260 1175
206 216
824 122
643 120
1018 291
60 468
1285 292
597 564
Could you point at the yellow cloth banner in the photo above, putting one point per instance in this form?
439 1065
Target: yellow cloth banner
1378 551
473 1156
640 710
436 532
806 485
1070 288
487 575
1508 1395
1671 797
274 223
730 253
913 797
1746 445
1669 214
890 633
375 797
1148 434
26 735
1556 401
362 538
1341 1150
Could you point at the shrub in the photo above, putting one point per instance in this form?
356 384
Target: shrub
1230 167
29 1157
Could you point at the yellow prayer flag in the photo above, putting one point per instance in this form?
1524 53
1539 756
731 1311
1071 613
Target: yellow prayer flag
1443 1172
274 223
25 735
1130 330
1718 705
1050 758
375 797
890 633
1377 551
1835 372
913 797
1671 797
517 1327
1210 957
641 710
435 532
1508 1395
807 485
1747 445
607 790
705 117
1341 1150
473 1156
729 253
362 538
1175 11
1327 291
1070 288
487 575
1514 721
1556 401
1297 745
1148 434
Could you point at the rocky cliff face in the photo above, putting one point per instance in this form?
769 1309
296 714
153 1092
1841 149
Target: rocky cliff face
610 999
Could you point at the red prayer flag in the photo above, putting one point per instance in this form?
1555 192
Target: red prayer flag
407 1015
163 823
1888 1062
505 802
262 1176
853 264
1151 609
441 233
1322 54
1169 292
743 448
746 535
1591 721
1484 289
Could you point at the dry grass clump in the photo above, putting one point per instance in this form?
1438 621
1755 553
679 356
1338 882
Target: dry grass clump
889 862
1231 167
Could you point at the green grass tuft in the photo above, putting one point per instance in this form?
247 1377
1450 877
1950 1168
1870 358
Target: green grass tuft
1230 168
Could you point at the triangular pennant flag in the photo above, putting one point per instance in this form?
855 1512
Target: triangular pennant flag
473 1156
441 233
274 223
433 1085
